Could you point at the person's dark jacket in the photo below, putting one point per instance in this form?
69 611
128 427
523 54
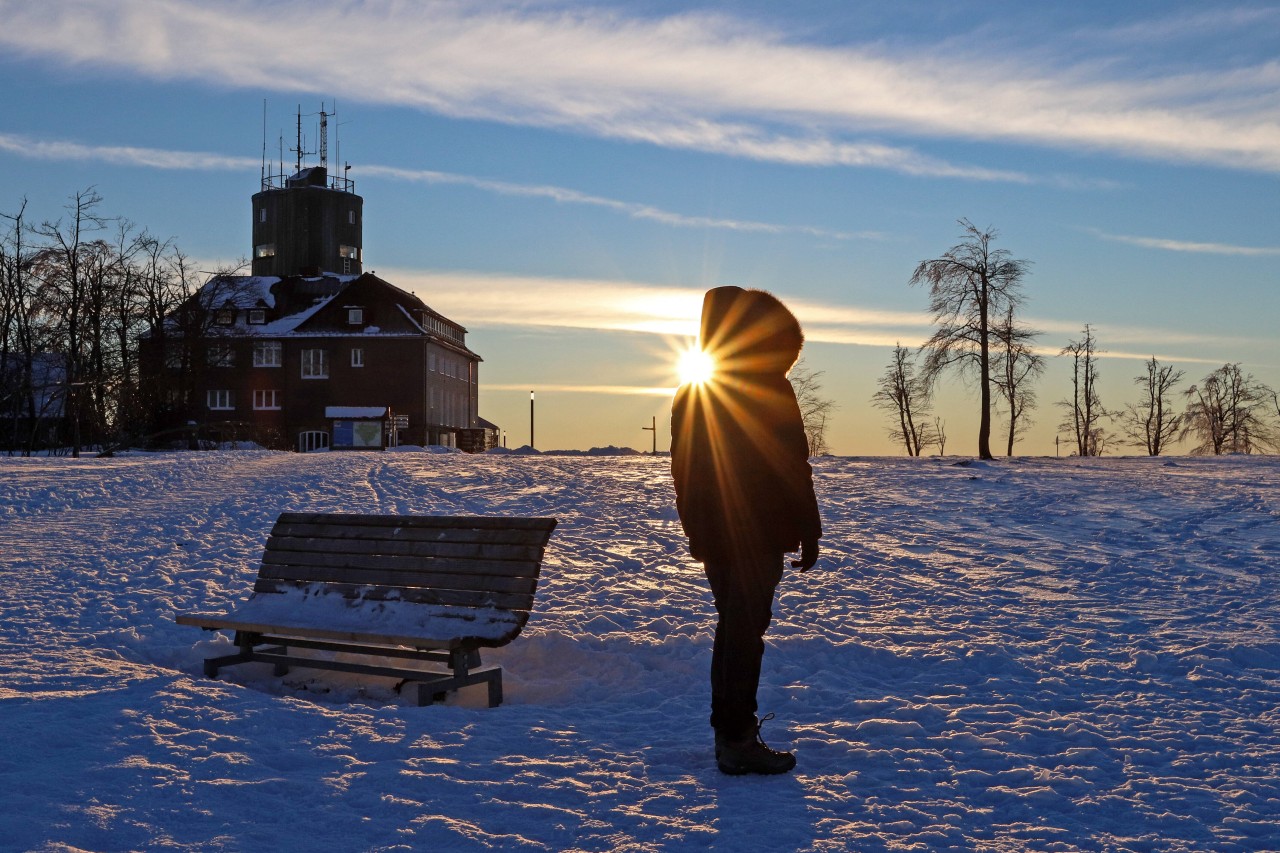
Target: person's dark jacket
739 455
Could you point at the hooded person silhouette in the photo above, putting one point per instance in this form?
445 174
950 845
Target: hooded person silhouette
744 491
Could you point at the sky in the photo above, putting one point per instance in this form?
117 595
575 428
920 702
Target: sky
567 179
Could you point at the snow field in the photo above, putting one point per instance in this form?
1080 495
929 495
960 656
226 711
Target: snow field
1028 654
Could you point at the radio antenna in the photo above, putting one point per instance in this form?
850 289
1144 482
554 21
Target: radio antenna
262 175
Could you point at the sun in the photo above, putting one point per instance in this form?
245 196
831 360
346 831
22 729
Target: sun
695 366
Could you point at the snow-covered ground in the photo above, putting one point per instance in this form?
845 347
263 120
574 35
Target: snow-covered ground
1035 654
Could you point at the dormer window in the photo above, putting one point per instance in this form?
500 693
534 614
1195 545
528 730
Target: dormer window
225 316
355 316
257 316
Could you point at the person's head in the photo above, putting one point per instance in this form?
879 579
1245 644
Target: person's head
749 331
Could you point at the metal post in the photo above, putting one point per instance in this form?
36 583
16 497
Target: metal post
654 430
531 444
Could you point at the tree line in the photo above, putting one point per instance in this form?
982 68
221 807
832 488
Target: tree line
975 294
80 297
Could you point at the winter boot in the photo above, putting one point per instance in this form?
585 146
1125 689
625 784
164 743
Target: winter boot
751 755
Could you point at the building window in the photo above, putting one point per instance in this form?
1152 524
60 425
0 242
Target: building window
173 356
266 400
265 250
257 316
357 357
220 400
352 252
220 355
315 364
225 316
312 440
431 362
262 214
351 217
267 354
355 316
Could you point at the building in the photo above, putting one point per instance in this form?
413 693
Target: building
310 351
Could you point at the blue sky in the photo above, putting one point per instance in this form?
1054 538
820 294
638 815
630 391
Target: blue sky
566 179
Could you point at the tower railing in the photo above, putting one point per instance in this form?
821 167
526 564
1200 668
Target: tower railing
283 182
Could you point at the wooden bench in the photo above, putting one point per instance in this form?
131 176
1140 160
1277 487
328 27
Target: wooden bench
416 589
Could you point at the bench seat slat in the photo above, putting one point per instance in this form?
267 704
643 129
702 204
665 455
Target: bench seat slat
545 525
525 571
467 535
419 575
422 549
520 603
231 622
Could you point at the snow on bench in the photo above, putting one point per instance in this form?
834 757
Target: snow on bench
419 589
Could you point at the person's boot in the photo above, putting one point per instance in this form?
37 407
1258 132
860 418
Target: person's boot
751 755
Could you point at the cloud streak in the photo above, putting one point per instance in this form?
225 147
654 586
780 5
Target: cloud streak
633 210
121 155
1168 245
485 300
694 81
155 158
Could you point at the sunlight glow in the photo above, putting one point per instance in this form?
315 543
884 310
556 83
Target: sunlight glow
695 367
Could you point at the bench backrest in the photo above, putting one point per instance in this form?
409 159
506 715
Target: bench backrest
463 563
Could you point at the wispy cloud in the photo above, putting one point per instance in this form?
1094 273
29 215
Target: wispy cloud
610 390
1168 245
705 82
485 300
156 158
480 299
634 210
121 155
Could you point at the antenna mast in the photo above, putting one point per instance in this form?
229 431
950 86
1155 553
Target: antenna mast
324 138
262 175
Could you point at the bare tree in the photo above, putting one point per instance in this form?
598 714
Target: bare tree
1228 412
1084 409
940 435
815 409
68 289
1151 422
970 287
905 395
1017 365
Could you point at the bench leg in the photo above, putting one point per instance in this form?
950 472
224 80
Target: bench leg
212 665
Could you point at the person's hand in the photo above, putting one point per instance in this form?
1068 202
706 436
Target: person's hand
808 555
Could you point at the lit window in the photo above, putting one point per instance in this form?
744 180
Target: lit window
266 250
357 357
257 316
266 399
220 400
267 354
352 252
355 316
220 355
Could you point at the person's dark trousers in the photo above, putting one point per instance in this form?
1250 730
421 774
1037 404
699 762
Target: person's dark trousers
743 585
